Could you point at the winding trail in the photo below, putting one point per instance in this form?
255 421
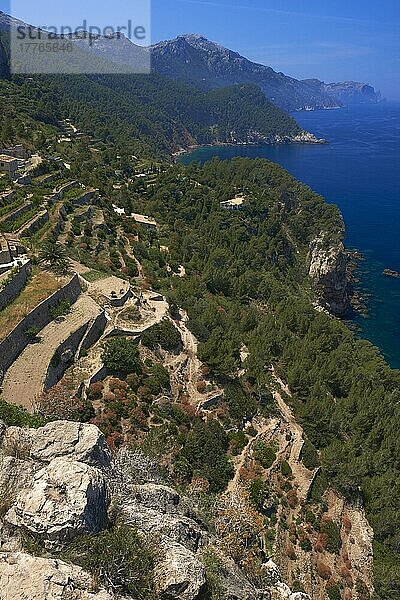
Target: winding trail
303 476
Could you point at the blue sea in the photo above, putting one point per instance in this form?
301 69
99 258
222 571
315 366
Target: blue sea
359 170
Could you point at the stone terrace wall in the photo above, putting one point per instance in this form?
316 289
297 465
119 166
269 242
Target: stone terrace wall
59 363
12 346
33 226
11 291
85 337
95 331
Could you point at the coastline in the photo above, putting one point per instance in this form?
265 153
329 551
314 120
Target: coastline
305 138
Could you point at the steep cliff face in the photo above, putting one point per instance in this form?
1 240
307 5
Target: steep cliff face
347 92
328 269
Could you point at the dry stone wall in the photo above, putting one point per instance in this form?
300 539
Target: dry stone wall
12 289
12 346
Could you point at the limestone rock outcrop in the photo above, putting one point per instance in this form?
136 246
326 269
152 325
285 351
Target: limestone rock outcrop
329 271
159 509
178 575
23 576
59 481
77 441
66 498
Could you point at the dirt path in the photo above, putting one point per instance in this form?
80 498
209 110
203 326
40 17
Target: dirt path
189 365
302 475
262 427
24 381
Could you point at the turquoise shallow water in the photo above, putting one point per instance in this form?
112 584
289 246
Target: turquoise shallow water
359 170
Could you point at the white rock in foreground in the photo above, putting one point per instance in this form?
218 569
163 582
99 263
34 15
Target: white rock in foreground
23 576
179 575
81 442
66 499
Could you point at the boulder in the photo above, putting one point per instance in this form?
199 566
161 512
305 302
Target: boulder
23 576
80 442
159 497
178 574
66 498
159 509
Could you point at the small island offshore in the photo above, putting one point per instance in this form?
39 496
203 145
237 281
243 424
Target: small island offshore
391 273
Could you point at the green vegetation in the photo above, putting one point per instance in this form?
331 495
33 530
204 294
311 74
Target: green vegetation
163 334
61 309
92 276
213 568
15 416
205 450
118 559
247 284
332 531
121 356
309 456
266 455
258 492
285 469
55 257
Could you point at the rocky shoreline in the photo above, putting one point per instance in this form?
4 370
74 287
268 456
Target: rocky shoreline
302 138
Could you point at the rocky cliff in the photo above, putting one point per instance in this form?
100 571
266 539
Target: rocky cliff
329 272
346 92
60 482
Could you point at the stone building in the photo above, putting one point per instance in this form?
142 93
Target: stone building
8 164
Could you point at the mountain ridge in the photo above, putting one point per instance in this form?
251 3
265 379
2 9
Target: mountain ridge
195 58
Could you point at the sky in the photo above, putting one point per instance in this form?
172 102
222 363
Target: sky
333 40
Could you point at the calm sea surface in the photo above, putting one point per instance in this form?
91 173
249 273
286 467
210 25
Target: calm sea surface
359 170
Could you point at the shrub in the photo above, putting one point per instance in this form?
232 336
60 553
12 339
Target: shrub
205 450
96 390
334 592
290 552
257 493
158 379
163 334
306 545
213 568
332 531
121 356
346 575
32 333
61 309
118 559
266 455
309 456
292 498
238 441
285 469
15 416
346 524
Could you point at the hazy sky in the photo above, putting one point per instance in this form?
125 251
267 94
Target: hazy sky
333 40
